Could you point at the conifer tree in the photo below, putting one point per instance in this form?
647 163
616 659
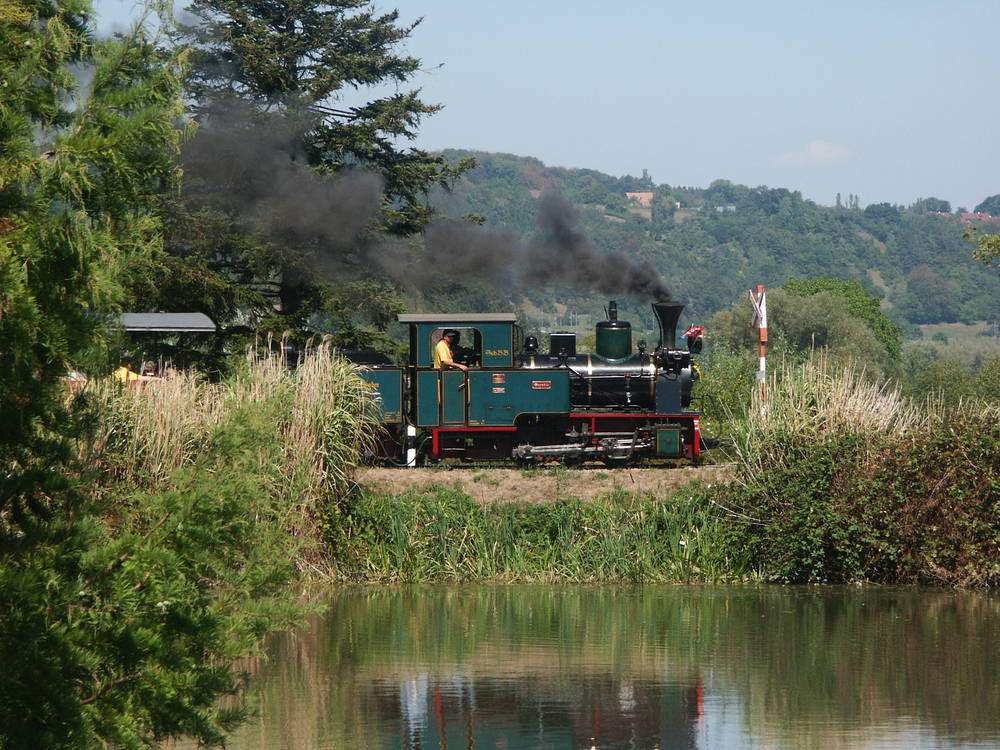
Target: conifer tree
269 82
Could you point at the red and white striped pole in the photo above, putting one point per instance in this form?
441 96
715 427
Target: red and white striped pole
758 299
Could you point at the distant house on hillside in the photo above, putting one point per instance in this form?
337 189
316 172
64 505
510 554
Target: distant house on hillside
968 218
535 193
643 199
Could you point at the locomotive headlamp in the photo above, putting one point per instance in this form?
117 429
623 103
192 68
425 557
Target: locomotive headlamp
531 344
675 360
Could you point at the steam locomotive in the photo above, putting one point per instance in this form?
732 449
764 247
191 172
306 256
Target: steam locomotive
617 405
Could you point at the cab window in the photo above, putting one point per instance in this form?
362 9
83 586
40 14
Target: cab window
468 350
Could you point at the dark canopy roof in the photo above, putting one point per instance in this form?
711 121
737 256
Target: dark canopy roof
168 322
457 319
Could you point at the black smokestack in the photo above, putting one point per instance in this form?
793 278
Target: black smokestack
667 314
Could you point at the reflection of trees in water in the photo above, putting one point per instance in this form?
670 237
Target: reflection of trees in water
807 662
461 711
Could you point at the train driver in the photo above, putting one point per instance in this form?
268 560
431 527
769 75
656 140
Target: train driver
443 355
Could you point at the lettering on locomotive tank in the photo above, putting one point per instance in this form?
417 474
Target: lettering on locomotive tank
541 385
499 377
498 352
500 390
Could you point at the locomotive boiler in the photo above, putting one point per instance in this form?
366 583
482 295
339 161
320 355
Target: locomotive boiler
620 404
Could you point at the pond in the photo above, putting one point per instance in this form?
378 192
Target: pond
635 667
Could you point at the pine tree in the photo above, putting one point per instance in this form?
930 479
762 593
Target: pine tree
267 82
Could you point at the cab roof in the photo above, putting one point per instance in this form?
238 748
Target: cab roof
457 319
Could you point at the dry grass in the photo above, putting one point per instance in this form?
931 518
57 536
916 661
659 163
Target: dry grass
488 485
323 426
813 399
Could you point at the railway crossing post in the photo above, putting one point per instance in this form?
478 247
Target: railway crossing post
758 298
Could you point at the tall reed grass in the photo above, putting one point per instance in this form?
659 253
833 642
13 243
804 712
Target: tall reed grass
813 400
315 424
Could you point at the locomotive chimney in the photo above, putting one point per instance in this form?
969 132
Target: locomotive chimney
667 314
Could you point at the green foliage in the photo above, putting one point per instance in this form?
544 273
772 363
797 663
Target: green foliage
882 212
861 303
441 534
79 192
800 325
988 248
925 205
930 297
725 387
928 377
124 633
990 205
856 507
839 480
988 380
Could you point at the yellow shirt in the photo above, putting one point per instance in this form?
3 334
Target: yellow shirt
442 354
124 375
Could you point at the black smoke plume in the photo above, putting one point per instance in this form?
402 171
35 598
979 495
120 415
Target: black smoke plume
561 254
252 165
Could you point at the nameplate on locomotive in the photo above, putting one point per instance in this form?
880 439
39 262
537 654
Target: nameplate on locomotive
541 385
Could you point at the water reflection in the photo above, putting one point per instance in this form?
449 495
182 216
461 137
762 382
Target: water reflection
463 711
642 667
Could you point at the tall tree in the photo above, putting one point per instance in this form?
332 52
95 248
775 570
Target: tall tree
111 634
988 245
861 303
285 76
80 176
989 205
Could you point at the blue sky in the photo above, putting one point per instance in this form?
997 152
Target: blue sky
892 101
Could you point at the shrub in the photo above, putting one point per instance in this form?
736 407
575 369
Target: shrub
840 479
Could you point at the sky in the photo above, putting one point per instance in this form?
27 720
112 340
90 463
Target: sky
892 101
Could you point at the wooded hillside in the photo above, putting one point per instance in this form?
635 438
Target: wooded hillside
712 244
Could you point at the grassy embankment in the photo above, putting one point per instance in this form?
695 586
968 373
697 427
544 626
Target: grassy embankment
838 479
278 447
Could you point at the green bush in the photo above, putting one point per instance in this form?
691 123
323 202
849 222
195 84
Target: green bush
441 534
841 481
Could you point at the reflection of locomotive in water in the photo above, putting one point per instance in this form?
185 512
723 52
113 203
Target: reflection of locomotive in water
594 709
617 405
